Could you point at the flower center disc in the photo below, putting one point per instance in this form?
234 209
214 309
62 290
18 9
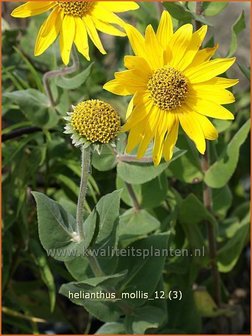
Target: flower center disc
96 120
168 88
76 8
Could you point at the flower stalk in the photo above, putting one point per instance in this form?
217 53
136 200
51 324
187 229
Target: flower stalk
85 169
85 166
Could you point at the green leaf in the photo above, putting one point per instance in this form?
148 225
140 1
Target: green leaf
213 8
192 213
57 229
145 318
104 161
229 254
90 227
35 106
6 256
182 14
77 272
222 200
149 195
102 309
46 274
187 317
147 265
31 68
139 173
108 212
187 169
11 150
222 170
178 11
206 305
245 70
136 223
112 328
238 26
76 81
154 192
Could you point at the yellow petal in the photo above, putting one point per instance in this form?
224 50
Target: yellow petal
92 32
125 83
81 39
165 29
208 108
48 31
131 78
120 6
207 127
204 55
130 108
212 93
105 15
192 128
139 64
116 87
208 70
179 43
159 137
32 8
170 140
196 41
135 136
136 40
148 135
107 28
67 37
140 112
220 82
153 49
146 140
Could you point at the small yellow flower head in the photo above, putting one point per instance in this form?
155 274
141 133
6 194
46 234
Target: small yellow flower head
93 121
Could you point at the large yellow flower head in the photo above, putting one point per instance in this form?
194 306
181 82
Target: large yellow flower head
172 82
74 21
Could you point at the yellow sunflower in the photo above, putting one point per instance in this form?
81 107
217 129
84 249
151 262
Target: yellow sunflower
172 83
74 21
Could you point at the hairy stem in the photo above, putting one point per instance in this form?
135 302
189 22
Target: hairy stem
198 11
60 72
85 165
133 196
133 158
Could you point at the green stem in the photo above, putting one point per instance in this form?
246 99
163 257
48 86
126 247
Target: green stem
207 198
85 165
